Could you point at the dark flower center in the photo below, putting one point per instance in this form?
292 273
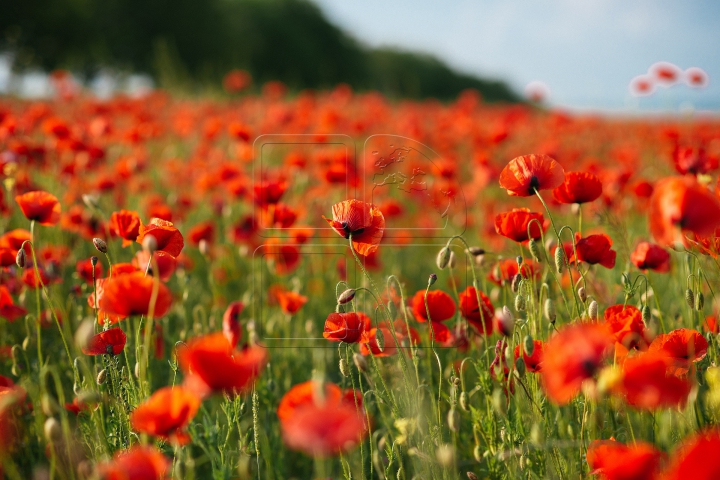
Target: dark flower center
534 184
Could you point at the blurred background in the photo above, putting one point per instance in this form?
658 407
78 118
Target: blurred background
593 55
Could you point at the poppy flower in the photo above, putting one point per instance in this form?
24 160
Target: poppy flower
85 269
642 85
612 460
39 206
711 324
304 394
169 239
131 294
440 306
647 384
211 364
166 414
231 323
696 77
166 264
363 221
33 280
505 270
8 310
578 187
202 231
514 224
625 323
137 463
126 225
572 356
533 362
7 256
283 258
481 318
682 346
697 458
693 160
346 327
290 302
595 249
648 256
681 203
109 342
384 345
529 173
268 192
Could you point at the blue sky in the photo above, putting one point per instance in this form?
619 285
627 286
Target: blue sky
585 51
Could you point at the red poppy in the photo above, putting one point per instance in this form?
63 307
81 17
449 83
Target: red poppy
85 269
625 323
384 345
290 302
236 80
613 460
682 346
166 414
514 224
137 463
647 384
169 239
126 225
8 310
202 231
711 324
363 221
283 258
480 318
131 294
212 365
682 203
595 249
166 264
109 342
578 187
269 192
697 458
14 239
529 173
440 305
693 160
572 356
231 323
533 362
648 256
304 394
346 327
34 281
7 256
39 206
506 269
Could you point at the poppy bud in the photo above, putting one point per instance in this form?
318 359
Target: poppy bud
344 368
519 303
26 343
101 377
520 366
94 261
392 309
20 258
137 370
472 476
515 284
506 322
360 362
475 251
478 453
453 419
645 314
443 257
451 263
463 401
535 250
559 259
48 405
528 345
582 294
52 429
690 298
688 261
699 301
432 279
593 310
549 310
100 245
519 261
150 244
346 296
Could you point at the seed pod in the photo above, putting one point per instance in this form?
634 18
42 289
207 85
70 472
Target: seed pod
453 419
515 285
101 377
690 298
360 362
100 245
149 244
475 251
52 429
520 366
582 294
463 401
549 310
20 258
699 301
559 259
346 296
535 250
593 310
519 303
443 258
344 368
432 279
528 345
645 314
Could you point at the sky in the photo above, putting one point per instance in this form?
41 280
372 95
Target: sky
585 51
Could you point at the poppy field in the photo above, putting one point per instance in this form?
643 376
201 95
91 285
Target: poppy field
333 284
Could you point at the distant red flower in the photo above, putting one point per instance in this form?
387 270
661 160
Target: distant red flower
363 221
126 225
647 384
33 280
109 342
578 187
40 206
231 323
284 258
290 302
212 365
236 81
304 394
131 294
595 249
693 160
8 310
612 460
169 239
480 317
696 77
648 256
625 323
682 346
524 175
711 324
505 270
514 224
696 458
137 463
202 231
346 327
665 73
269 192
440 305
166 264
533 362
85 268
166 414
